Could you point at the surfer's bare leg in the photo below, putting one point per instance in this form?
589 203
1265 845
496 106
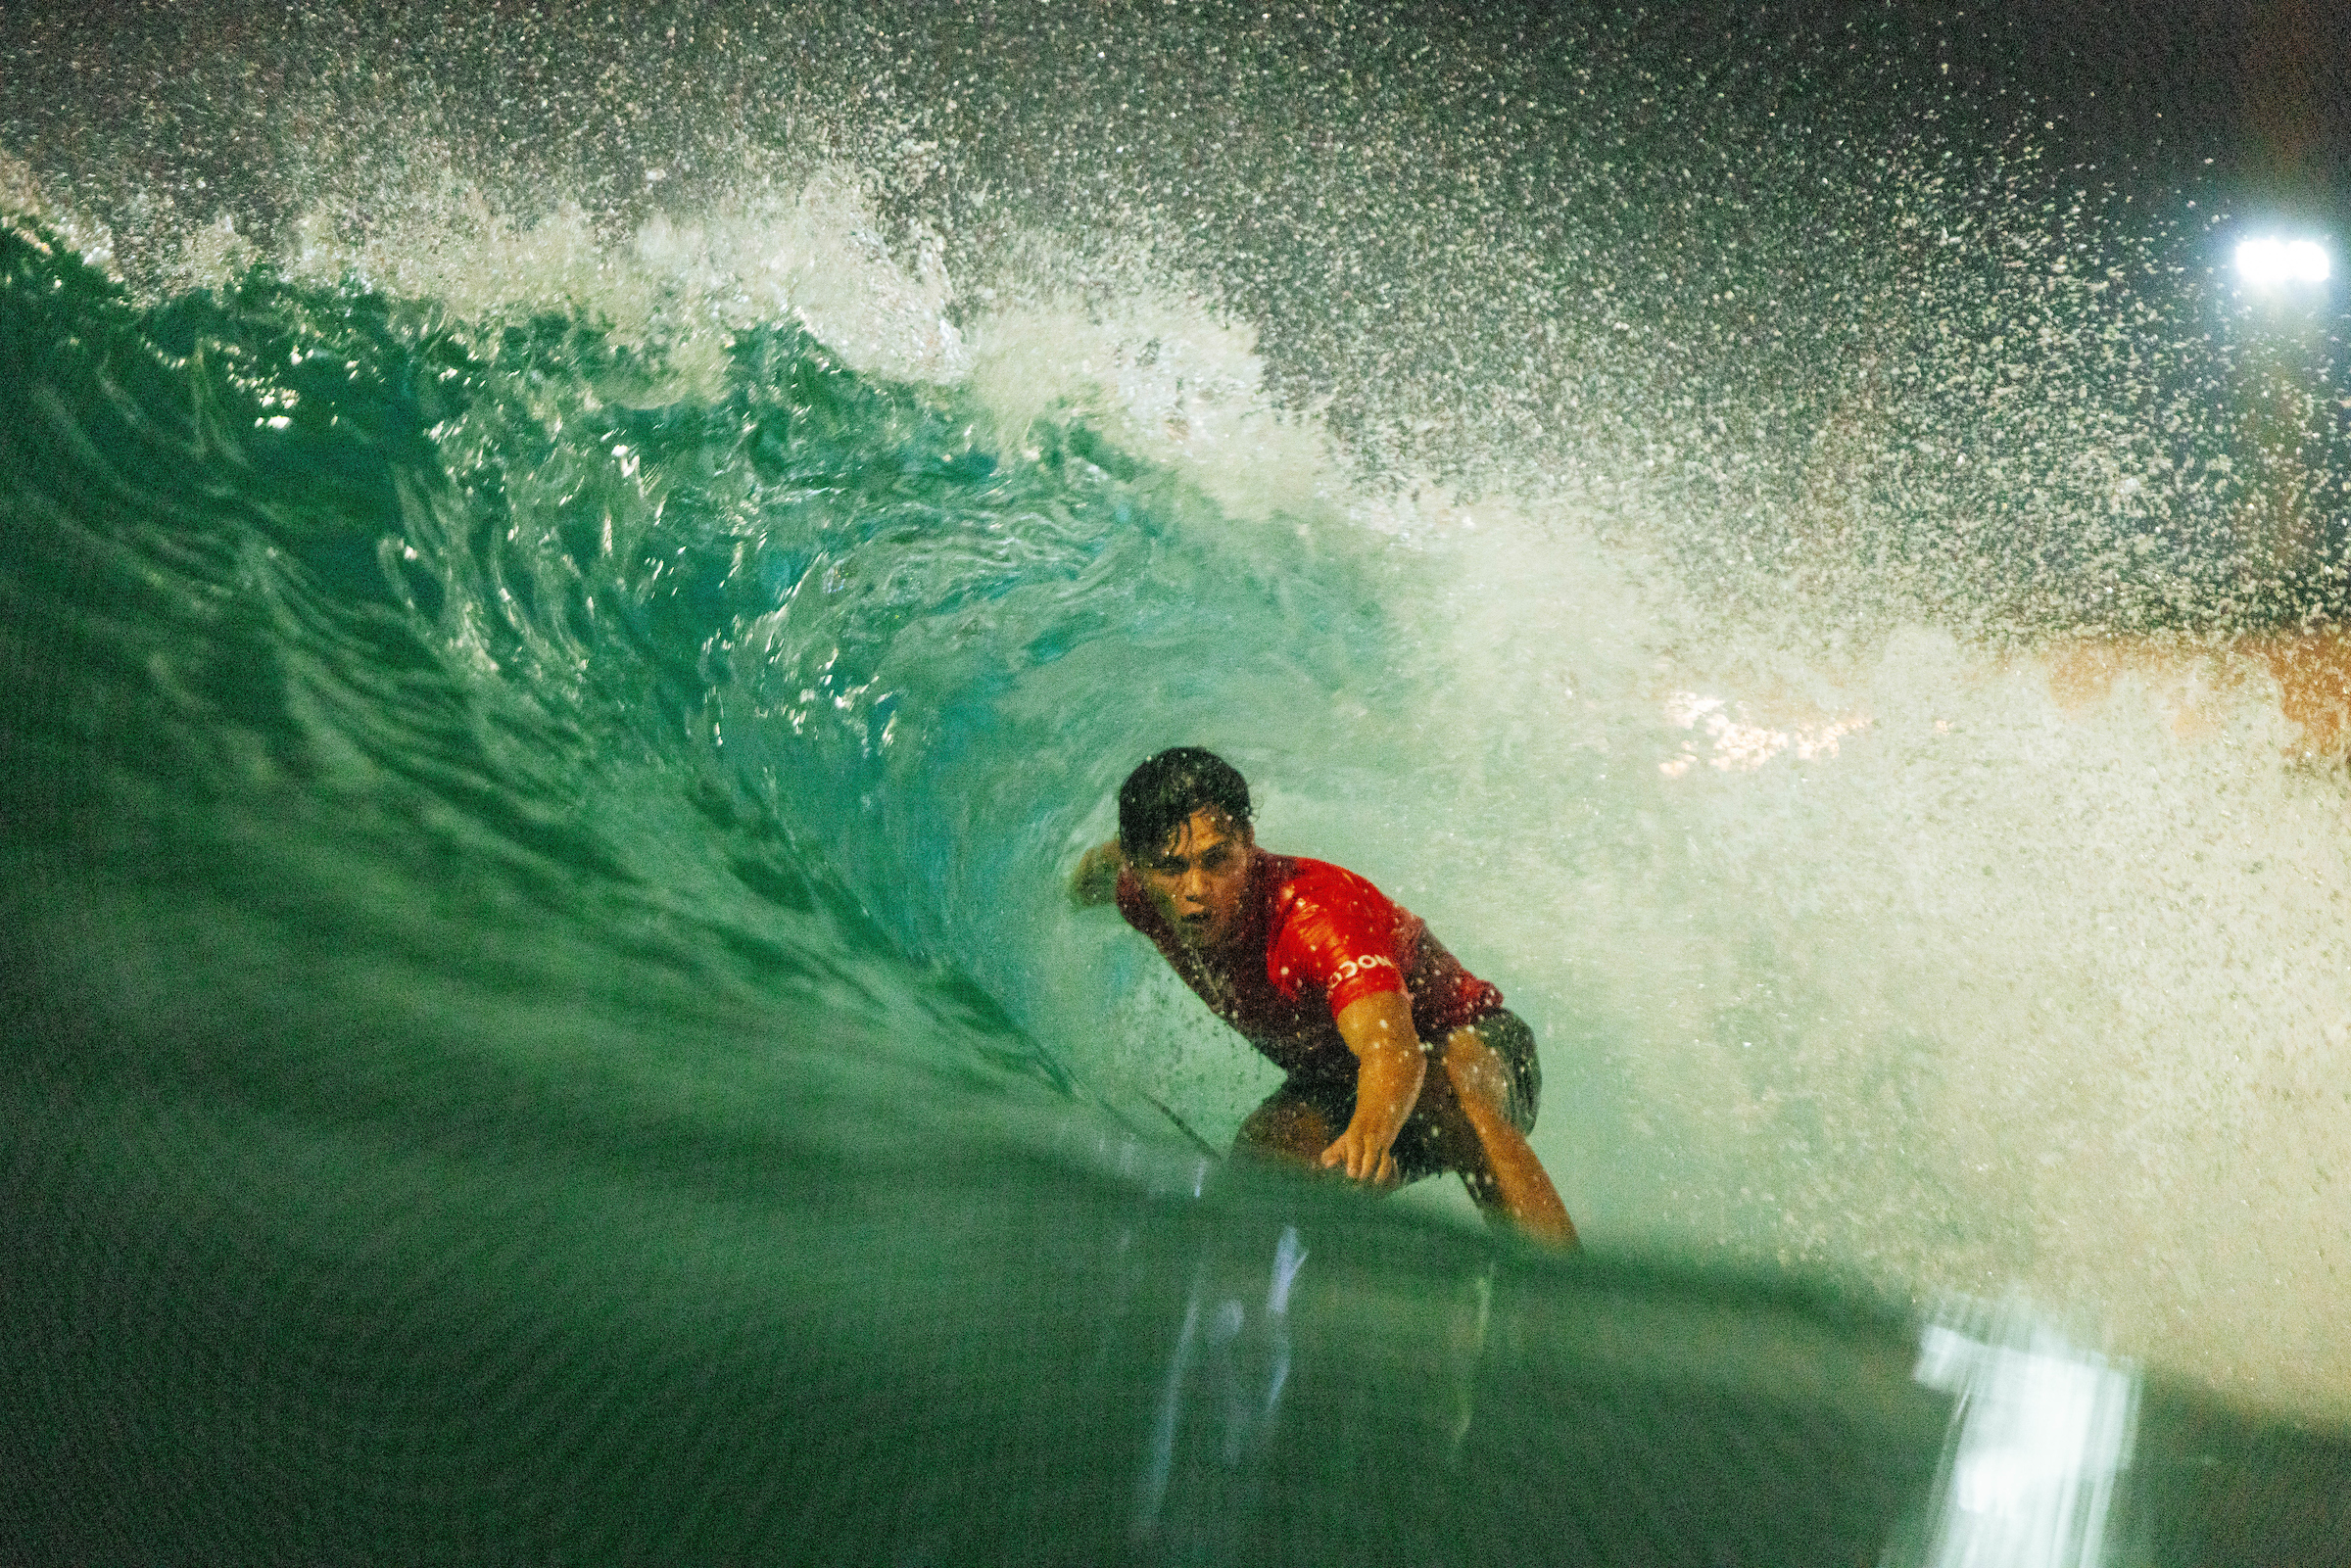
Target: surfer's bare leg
1502 1172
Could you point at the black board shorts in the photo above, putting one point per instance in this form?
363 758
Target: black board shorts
1421 1145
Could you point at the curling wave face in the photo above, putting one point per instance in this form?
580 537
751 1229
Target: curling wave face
455 1052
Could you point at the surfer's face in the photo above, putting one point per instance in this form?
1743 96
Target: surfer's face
1199 878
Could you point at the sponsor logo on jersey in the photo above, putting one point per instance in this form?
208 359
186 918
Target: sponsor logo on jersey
1365 964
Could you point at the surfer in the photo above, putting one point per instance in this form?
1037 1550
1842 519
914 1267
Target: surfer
1401 1063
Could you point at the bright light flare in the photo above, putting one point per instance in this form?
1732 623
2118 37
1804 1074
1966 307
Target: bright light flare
2271 263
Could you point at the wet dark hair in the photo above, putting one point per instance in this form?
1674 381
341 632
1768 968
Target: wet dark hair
1162 794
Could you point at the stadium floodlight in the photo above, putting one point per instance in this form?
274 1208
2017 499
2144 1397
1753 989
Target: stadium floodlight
2271 263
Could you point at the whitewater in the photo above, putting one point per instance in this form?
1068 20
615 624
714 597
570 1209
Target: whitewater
573 590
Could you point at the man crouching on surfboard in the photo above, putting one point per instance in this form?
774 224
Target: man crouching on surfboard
1338 987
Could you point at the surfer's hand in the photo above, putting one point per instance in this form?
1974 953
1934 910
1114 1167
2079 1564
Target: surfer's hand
1353 1152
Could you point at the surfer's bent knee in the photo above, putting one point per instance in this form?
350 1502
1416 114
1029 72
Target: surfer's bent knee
1503 1037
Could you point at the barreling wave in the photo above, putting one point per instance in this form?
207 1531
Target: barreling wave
731 668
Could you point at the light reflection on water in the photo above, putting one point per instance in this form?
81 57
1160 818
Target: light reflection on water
2041 1434
1237 1370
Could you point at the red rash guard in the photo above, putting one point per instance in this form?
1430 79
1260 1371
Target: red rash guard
1314 938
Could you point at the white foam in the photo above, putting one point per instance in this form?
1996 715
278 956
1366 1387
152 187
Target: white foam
24 195
1994 993
813 253
1169 377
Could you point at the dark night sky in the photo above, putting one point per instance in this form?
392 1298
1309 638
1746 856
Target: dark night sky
2263 87
2147 91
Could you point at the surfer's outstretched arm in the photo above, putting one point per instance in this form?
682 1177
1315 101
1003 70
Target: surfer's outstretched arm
1390 1068
1521 1187
1096 878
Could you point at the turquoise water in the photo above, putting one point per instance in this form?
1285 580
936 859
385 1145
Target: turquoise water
511 883
556 657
